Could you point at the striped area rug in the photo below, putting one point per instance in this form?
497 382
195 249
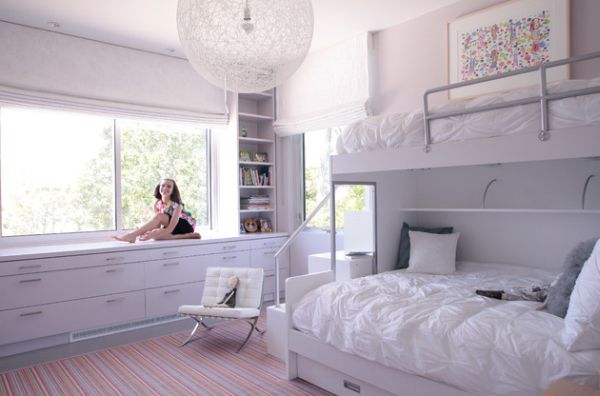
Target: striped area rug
158 366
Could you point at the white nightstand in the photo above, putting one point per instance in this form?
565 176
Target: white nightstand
346 268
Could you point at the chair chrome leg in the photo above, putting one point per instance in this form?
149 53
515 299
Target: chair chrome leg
252 328
201 321
191 334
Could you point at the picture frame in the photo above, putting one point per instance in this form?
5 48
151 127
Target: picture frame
510 36
245 156
260 157
265 225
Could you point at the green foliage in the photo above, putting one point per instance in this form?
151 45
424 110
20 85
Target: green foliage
149 154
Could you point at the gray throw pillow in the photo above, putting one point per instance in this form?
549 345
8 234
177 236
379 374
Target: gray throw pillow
404 249
559 295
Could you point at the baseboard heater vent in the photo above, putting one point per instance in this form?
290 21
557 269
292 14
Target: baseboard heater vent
87 334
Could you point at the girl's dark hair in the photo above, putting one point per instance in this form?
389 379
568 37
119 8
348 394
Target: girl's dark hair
175 195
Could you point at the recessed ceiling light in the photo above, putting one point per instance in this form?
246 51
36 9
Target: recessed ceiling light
54 25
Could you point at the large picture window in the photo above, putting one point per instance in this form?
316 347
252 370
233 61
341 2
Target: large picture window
59 171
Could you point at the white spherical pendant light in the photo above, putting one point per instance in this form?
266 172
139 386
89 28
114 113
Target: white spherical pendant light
245 45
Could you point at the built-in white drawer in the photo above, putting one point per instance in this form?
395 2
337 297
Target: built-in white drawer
44 320
267 243
265 258
55 286
176 270
269 284
78 261
226 247
165 300
230 259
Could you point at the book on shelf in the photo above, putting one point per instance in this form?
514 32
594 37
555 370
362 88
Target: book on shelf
255 202
260 176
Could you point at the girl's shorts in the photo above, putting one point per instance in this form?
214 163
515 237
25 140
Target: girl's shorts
182 227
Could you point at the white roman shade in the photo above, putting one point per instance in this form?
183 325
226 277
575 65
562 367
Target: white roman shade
331 88
55 71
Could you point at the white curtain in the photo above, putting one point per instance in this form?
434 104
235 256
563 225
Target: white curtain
56 71
331 88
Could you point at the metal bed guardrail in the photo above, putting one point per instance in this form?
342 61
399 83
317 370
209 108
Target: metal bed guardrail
543 98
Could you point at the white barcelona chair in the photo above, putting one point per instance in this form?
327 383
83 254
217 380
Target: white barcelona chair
248 299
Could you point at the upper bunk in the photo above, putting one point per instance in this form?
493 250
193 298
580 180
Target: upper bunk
545 122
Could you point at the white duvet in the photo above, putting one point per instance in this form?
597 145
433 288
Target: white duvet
437 327
406 129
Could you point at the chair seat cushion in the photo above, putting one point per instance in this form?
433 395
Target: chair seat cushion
234 313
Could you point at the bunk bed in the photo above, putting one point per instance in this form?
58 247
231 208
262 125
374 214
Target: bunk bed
327 341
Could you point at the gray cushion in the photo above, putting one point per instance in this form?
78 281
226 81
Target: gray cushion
404 250
557 302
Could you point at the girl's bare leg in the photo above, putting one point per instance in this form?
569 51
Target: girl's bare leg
159 219
190 235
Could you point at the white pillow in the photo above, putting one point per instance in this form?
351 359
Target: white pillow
432 253
582 322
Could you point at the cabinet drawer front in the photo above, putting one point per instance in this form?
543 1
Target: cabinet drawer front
79 261
267 243
44 320
233 259
225 247
42 288
269 282
166 300
176 270
265 258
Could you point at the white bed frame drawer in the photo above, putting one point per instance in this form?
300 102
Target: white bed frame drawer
44 320
48 287
166 300
176 270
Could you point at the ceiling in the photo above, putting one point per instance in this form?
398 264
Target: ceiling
150 24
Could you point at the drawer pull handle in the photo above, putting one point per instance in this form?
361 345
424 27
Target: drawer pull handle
229 247
270 252
172 291
170 264
110 271
31 313
30 266
30 280
229 257
171 253
352 386
114 300
118 258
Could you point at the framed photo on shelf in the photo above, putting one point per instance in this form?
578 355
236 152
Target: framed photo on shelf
510 36
265 225
245 156
260 157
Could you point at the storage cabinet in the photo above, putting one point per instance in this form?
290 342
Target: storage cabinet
256 142
54 295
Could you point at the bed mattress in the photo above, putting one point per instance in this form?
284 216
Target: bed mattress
406 129
436 326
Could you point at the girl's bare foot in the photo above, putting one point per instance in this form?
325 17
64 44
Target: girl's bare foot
125 238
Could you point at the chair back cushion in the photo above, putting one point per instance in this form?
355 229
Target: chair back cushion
249 288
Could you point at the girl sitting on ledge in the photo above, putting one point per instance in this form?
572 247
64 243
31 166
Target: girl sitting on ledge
170 221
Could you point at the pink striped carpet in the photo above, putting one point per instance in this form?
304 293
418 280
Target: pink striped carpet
158 366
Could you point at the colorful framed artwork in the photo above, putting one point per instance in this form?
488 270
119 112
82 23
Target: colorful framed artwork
510 36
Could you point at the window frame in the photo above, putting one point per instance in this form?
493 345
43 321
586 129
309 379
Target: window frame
103 235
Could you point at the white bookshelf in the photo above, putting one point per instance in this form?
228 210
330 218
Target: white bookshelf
256 180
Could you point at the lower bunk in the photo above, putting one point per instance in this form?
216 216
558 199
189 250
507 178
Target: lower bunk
400 333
